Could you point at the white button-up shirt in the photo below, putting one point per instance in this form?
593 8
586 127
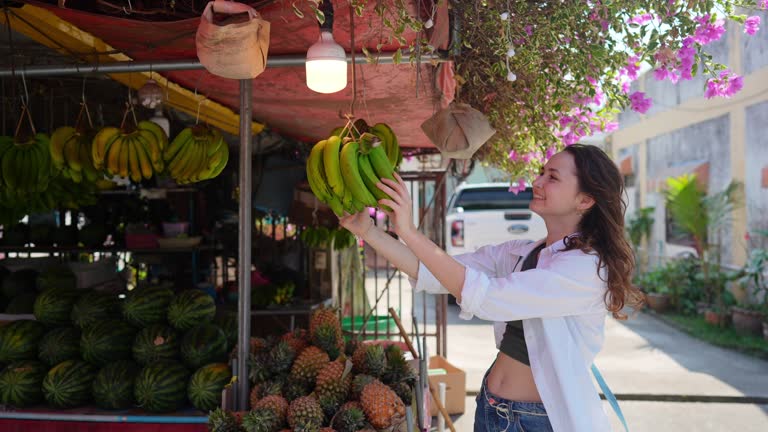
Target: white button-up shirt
562 305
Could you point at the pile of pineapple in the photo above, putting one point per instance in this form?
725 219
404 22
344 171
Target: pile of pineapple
314 381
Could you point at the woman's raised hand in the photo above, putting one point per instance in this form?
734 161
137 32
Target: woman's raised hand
358 223
401 214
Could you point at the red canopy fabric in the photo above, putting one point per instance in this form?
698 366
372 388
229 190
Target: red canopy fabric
281 99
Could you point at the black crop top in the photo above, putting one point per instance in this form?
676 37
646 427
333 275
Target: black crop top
513 342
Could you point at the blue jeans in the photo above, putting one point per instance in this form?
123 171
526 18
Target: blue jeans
495 414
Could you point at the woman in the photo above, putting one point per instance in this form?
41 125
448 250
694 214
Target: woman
548 298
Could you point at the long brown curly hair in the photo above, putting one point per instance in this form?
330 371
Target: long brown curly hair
602 226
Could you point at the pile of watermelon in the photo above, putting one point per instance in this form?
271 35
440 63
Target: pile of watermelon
155 350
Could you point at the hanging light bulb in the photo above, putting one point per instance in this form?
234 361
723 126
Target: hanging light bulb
326 63
150 94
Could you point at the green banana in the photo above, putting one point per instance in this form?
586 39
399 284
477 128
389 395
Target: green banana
331 165
370 178
380 163
100 145
177 144
58 139
160 137
224 150
350 171
315 172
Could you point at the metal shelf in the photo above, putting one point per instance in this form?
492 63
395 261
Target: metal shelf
16 249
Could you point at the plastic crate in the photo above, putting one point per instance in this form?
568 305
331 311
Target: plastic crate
96 273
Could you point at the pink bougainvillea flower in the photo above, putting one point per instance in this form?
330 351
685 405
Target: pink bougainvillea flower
752 25
632 68
518 186
611 127
551 152
763 4
641 19
528 30
512 155
726 85
640 103
708 32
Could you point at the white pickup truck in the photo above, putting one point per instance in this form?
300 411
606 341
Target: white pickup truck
487 214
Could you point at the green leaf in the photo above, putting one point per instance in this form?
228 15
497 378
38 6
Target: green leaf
397 56
318 14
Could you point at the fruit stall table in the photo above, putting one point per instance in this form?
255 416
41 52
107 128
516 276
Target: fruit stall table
95 420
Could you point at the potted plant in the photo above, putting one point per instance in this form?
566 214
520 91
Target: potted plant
750 317
654 285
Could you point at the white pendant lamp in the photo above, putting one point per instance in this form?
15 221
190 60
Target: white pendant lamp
326 63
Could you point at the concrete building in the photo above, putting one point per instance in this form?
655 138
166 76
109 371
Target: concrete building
718 139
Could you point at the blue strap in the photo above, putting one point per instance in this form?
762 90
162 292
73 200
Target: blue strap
609 395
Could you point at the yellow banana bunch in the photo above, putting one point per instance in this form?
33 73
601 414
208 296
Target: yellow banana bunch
71 154
197 153
136 155
344 169
25 167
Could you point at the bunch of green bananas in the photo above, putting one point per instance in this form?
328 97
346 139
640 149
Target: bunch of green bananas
343 173
61 192
25 166
381 130
342 239
137 154
71 154
197 153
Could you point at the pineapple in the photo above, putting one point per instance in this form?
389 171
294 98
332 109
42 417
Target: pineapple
305 414
329 404
328 339
397 370
404 391
297 339
325 331
220 420
295 389
281 358
349 418
308 364
334 380
257 345
381 405
370 359
272 388
261 420
277 404
255 395
258 370
358 384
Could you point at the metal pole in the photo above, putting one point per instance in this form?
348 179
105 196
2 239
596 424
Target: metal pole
291 60
244 247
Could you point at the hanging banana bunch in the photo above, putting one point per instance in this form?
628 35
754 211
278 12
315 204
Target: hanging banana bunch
344 169
197 153
25 162
71 149
135 153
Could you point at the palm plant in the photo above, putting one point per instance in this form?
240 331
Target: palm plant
639 228
702 217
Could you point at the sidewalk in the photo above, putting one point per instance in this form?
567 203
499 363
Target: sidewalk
643 358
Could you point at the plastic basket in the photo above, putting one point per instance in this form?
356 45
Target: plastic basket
175 229
376 323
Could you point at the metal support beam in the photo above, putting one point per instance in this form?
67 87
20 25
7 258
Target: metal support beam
244 247
174 65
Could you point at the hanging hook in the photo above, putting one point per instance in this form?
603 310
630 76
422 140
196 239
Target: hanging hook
354 67
25 98
85 77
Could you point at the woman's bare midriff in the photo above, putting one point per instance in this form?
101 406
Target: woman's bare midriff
512 380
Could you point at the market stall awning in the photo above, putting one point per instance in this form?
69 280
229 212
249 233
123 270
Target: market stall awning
386 93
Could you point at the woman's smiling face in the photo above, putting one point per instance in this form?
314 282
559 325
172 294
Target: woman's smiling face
556 189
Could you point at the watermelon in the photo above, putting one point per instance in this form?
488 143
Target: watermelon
147 306
203 344
59 344
23 303
53 306
228 323
56 277
18 282
114 385
68 384
155 343
206 384
191 308
21 383
107 341
19 339
94 306
162 386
